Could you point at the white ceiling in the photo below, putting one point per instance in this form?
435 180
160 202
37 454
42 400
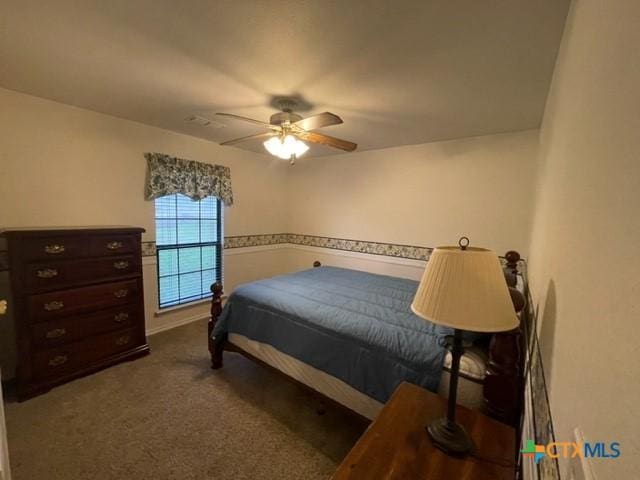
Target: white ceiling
398 72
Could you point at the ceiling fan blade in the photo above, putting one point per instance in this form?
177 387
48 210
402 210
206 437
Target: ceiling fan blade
327 140
249 120
318 121
250 137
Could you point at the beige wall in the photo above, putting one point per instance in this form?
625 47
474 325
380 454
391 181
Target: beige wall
61 165
424 195
585 253
301 258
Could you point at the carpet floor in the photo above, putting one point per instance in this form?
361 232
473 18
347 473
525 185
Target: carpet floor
169 416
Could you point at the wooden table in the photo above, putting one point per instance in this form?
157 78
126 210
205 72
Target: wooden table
397 446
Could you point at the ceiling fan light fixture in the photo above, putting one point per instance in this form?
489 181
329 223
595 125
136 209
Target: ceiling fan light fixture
285 148
287 128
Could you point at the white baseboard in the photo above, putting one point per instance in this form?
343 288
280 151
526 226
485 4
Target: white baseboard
176 323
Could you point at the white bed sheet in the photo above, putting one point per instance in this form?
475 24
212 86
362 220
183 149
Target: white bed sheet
469 392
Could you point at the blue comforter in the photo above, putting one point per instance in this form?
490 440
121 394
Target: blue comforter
353 325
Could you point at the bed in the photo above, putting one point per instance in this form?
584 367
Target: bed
351 337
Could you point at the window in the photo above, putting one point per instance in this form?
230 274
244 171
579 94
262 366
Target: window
189 248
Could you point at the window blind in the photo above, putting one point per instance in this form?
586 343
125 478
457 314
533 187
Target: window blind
189 248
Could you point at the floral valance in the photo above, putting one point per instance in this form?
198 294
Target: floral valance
168 175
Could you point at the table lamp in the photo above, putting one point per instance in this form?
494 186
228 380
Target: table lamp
463 288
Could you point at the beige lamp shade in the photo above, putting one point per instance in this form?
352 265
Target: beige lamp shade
465 289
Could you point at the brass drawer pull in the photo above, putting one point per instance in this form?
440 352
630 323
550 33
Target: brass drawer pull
47 273
58 360
121 293
123 340
56 333
53 306
115 245
54 249
121 317
121 265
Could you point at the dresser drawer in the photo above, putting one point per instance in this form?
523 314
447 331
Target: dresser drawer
113 245
54 247
58 332
54 305
73 356
52 274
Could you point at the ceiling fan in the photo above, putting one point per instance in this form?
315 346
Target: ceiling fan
287 130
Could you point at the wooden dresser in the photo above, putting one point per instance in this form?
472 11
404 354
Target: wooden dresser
77 301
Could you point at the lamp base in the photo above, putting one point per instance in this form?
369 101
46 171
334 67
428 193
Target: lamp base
450 437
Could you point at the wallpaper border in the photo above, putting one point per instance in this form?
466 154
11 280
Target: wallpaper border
242 241
412 252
